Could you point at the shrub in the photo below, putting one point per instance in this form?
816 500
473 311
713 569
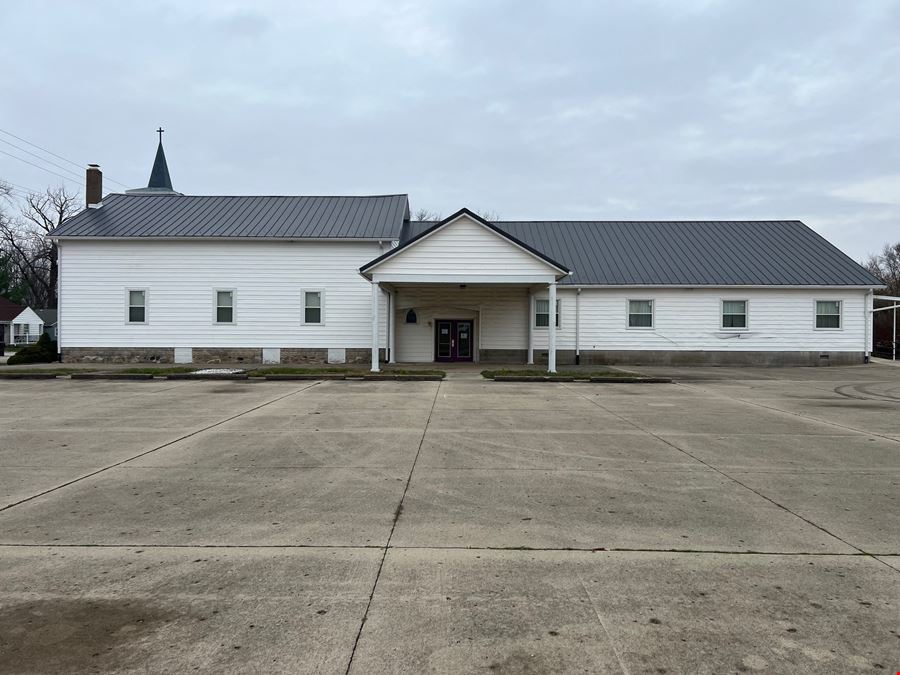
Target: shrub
42 351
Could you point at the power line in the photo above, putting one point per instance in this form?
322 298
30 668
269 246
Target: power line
41 167
19 185
35 145
43 159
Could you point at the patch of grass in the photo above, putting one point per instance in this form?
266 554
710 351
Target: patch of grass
54 371
158 370
403 371
309 370
580 374
337 370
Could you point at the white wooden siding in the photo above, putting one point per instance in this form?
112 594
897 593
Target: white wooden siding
465 248
179 278
268 278
684 320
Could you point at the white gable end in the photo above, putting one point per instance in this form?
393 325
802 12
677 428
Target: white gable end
464 248
28 316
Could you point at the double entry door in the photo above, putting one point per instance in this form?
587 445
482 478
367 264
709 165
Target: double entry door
453 340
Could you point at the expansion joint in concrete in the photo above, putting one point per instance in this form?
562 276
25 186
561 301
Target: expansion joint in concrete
387 545
733 479
158 447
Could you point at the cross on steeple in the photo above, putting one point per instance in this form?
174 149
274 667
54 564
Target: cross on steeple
160 132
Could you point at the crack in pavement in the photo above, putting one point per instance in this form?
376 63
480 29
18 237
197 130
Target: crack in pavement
735 480
159 447
387 544
518 549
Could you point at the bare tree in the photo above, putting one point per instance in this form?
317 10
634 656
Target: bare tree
488 214
424 215
29 251
886 266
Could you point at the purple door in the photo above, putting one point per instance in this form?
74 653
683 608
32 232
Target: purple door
452 340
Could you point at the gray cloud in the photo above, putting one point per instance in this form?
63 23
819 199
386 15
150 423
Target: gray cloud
631 109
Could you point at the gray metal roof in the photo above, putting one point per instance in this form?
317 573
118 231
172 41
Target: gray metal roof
143 215
713 253
48 316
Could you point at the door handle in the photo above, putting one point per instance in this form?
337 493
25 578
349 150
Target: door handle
452 343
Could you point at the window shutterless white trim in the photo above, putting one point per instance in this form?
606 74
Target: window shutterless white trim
538 312
304 307
839 315
629 314
216 306
745 314
128 306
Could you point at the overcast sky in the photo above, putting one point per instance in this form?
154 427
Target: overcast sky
628 110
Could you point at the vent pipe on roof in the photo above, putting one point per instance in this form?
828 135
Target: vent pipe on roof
93 186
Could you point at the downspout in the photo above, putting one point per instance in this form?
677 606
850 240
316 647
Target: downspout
870 318
530 358
59 356
577 326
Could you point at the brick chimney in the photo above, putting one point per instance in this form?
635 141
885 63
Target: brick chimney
93 186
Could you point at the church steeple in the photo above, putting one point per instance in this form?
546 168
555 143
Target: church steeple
159 176
160 182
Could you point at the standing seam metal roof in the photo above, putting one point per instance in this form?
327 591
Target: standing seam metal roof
187 216
614 253
683 253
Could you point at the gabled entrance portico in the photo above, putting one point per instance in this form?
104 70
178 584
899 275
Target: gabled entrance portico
461 273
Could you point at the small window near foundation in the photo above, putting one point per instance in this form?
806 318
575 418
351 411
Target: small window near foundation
412 317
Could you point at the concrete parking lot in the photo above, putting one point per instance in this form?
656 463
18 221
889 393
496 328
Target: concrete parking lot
738 520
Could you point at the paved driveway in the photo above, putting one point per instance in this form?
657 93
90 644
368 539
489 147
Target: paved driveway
740 520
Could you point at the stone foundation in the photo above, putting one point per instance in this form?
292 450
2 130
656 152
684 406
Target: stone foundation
503 355
210 355
364 356
303 355
702 358
118 355
564 357
213 355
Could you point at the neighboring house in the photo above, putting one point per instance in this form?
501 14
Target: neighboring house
27 327
155 275
9 310
19 325
48 316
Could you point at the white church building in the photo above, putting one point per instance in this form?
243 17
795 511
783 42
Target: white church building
155 275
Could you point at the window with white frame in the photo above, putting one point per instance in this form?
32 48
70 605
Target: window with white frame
734 314
312 307
640 313
137 306
828 313
224 299
542 312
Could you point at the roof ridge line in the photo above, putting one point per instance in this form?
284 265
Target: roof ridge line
398 194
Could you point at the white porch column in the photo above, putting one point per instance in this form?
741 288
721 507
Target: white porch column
392 327
551 331
530 360
376 293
